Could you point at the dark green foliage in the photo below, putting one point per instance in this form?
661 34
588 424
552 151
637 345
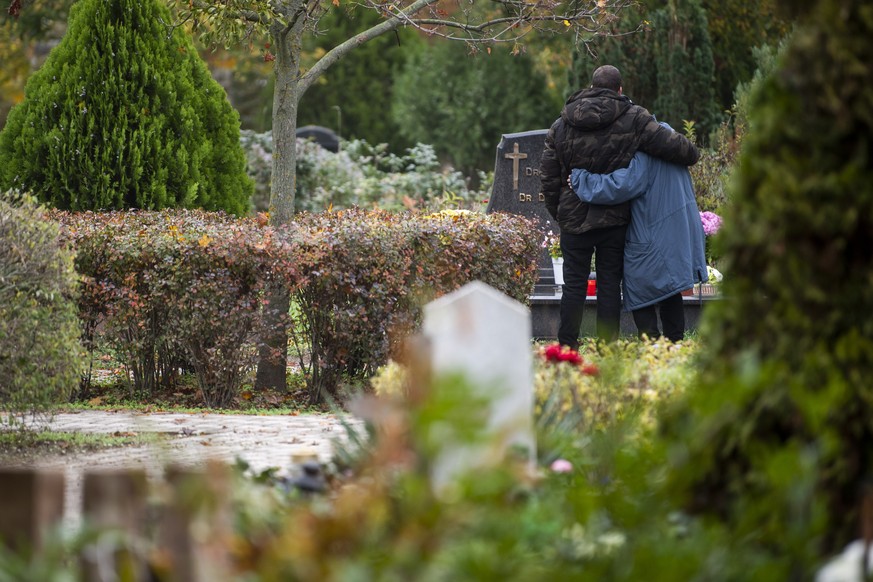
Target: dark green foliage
712 172
631 53
372 272
667 67
354 96
177 289
40 355
684 64
779 439
461 103
688 59
737 28
124 114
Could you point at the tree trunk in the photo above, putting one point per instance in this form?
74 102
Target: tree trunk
286 96
273 354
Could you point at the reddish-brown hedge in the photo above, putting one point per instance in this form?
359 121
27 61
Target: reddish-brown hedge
178 290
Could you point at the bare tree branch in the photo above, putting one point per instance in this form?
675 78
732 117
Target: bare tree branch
342 49
530 16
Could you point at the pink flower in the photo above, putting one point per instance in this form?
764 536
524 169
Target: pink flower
561 466
711 222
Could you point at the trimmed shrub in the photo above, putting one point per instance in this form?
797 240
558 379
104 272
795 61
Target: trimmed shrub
178 289
40 355
455 247
185 289
375 270
125 114
778 441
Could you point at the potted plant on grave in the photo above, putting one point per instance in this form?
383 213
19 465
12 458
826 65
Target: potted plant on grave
552 243
711 225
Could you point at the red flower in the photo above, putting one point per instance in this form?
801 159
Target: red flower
591 370
558 353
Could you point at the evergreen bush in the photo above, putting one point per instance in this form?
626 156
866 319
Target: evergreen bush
685 67
125 114
778 441
40 355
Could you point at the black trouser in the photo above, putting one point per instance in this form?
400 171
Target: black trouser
672 318
609 264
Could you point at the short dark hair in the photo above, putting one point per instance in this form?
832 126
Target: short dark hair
606 77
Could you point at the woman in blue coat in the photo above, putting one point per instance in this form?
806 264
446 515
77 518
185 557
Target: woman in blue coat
664 250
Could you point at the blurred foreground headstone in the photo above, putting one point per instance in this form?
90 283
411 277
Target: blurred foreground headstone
483 335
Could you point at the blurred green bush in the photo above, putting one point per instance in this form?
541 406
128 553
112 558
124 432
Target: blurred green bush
40 353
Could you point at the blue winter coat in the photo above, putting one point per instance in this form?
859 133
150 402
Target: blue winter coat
664 250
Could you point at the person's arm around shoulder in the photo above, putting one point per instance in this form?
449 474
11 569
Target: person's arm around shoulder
660 141
614 188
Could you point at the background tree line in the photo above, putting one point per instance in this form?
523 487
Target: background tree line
684 63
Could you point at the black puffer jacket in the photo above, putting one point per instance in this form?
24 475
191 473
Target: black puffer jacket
600 131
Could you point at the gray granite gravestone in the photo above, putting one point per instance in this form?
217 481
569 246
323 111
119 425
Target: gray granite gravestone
323 136
517 177
517 190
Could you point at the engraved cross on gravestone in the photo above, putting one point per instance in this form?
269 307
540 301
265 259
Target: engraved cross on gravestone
517 190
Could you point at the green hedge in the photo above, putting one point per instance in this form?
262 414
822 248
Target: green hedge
40 355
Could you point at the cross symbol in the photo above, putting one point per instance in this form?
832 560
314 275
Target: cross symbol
515 156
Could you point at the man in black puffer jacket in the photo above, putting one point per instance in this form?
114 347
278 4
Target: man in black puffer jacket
599 130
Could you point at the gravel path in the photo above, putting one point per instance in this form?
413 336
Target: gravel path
191 440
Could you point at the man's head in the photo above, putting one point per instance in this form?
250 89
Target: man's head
607 77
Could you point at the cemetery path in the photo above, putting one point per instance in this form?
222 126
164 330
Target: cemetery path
189 440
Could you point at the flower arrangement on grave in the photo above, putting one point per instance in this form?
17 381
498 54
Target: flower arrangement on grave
711 225
552 242
713 274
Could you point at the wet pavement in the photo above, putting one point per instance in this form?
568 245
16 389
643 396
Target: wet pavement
191 440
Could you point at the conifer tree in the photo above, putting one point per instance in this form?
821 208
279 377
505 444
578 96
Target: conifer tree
778 439
629 48
685 66
475 98
667 66
124 114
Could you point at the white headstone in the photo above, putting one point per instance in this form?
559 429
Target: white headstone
481 333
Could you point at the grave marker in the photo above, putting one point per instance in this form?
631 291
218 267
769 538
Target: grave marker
517 190
484 335
31 505
517 177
